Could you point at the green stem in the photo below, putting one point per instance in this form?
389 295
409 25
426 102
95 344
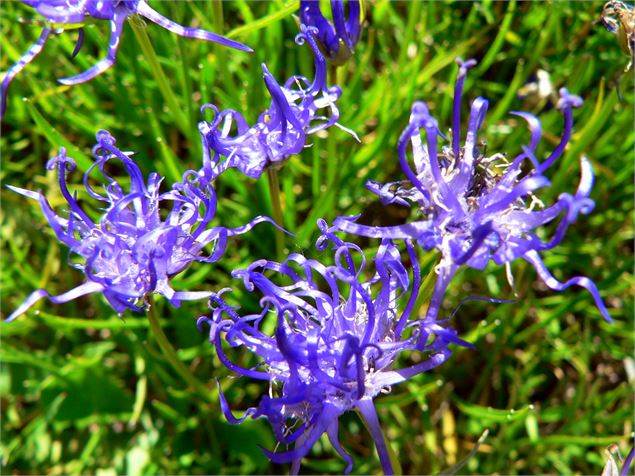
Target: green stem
157 71
170 354
219 24
274 193
332 168
316 174
458 466
141 392
333 172
427 262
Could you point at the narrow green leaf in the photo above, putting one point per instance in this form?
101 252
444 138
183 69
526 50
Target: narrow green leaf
58 140
492 414
264 21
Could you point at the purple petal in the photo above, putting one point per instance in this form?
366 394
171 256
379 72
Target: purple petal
28 56
145 10
79 43
400 232
534 258
331 431
35 296
367 409
329 413
227 411
116 27
394 377
626 467
565 104
464 66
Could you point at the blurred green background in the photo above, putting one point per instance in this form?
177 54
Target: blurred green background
83 391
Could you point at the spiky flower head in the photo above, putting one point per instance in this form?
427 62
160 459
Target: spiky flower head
71 14
474 207
139 243
296 111
338 333
336 40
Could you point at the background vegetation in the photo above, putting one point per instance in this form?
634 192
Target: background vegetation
84 391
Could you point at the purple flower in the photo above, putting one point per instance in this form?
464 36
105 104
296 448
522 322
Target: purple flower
61 13
626 466
337 40
282 129
136 245
476 207
338 333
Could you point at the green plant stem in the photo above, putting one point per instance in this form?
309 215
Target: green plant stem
219 23
332 164
182 370
333 172
497 44
244 30
332 168
458 466
316 174
427 284
274 193
170 355
157 71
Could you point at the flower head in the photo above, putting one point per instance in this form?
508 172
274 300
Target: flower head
282 129
132 251
338 334
63 14
336 40
476 207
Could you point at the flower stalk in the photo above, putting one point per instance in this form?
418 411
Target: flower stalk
332 163
219 21
159 75
171 356
276 206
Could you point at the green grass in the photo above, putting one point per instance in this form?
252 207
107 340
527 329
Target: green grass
85 392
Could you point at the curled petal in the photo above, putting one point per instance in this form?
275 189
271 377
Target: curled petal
400 232
116 30
396 376
227 411
329 414
145 10
28 56
534 258
35 296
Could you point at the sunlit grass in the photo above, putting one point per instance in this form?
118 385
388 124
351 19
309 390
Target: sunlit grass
83 391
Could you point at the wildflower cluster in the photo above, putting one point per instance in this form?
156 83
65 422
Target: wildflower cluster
130 251
338 334
281 130
335 350
332 334
476 208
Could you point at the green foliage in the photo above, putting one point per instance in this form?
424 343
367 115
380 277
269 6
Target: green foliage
85 391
